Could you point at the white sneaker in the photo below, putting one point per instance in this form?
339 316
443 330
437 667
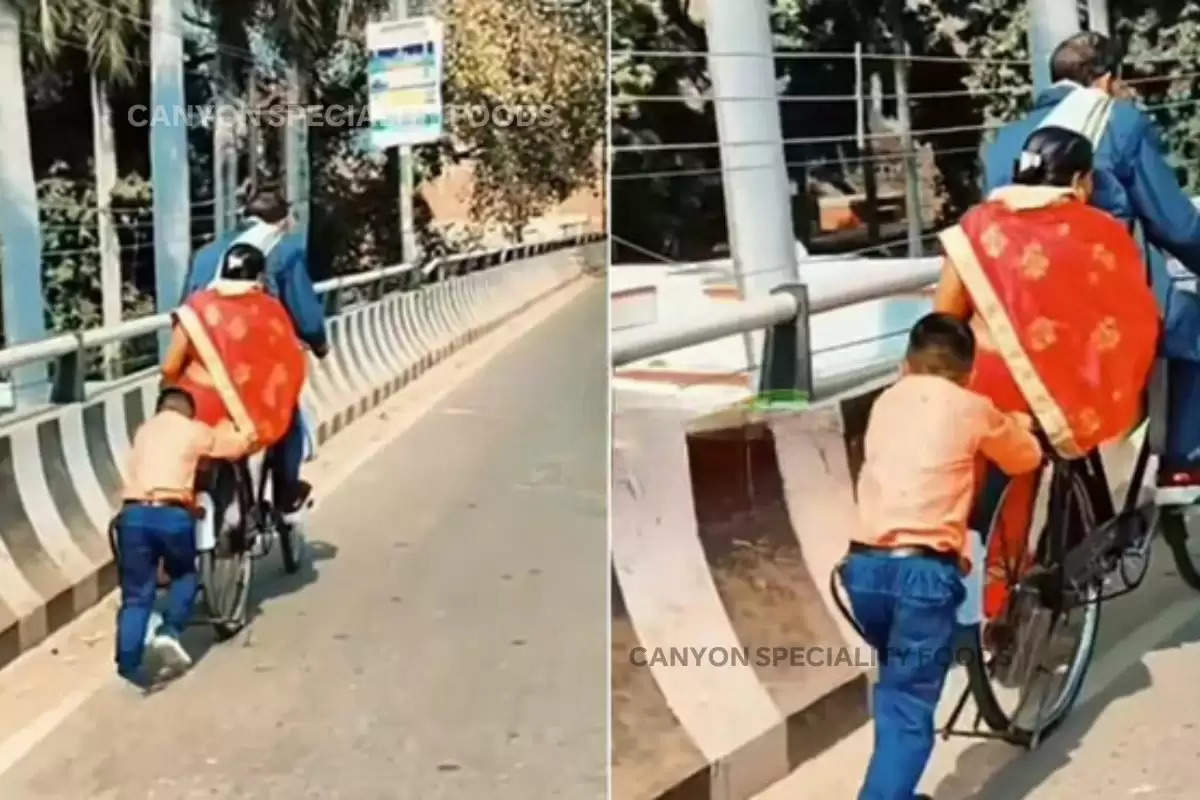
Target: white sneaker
156 620
173 660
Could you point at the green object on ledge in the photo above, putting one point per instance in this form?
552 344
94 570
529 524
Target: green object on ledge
780 400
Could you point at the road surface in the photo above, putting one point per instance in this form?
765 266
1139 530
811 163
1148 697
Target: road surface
1135 731
447 642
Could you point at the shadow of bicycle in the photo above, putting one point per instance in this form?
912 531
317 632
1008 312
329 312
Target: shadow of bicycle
269 581
994 770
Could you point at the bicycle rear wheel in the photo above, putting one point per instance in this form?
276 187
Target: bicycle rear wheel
225 571
226 582
1027 666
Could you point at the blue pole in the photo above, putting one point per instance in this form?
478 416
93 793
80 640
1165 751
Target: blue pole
168 156
20 234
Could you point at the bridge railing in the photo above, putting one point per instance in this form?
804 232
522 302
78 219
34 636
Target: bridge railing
69 350
785 315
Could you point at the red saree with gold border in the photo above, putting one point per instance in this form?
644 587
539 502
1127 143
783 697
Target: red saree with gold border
246 341
1069 327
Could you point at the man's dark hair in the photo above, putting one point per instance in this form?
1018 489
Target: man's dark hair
1085 58
176 399
267 203
940 344
1060 153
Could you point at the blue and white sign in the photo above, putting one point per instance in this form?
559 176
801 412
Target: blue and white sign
404 77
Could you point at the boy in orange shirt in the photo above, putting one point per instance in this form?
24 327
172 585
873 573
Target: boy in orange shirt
915 491
157 522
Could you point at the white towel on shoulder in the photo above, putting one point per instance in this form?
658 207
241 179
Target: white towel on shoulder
1085 111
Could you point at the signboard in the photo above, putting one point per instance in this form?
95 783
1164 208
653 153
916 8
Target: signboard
404 81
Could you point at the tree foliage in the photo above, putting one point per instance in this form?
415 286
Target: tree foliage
536 74
71 257
1163 51
981 42
519 171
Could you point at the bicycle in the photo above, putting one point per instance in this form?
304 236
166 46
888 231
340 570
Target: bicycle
226 551
1026 667
227 544
1041 646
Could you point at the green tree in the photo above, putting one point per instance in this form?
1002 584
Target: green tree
1163 46
538 75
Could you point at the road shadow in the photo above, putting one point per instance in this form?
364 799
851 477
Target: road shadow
268 582
994 770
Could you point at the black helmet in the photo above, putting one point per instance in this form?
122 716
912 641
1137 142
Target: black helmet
243 262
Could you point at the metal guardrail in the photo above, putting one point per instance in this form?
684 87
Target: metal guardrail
69 347
785 313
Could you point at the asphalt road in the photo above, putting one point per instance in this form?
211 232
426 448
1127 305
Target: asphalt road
448 640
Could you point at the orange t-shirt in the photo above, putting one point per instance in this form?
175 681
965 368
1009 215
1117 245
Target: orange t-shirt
918 479
168 447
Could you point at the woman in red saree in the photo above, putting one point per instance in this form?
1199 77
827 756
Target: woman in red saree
234 349
1065 323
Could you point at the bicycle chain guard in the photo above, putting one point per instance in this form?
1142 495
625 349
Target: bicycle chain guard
1103 550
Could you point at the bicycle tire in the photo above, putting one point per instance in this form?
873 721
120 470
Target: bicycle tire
1174 531
226 582
987 701
226 570
289 543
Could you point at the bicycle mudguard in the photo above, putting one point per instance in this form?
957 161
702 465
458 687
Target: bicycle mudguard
206 533
308 424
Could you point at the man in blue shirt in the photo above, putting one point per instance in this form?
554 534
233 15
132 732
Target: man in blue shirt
287 278
1133 180
1134 183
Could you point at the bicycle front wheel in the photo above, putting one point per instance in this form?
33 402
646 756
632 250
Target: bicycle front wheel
1026 667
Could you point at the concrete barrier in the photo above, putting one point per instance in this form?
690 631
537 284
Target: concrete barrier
62 468
725 528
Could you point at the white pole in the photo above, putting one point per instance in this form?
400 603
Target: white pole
1050 22
224 150
296 149
168 156
758 202
20 234
1098 20
407 232
860 125
104 155
912 185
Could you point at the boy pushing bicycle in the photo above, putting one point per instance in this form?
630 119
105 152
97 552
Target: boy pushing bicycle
915 493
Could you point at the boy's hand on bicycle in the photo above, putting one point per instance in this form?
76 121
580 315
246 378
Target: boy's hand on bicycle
1025 421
